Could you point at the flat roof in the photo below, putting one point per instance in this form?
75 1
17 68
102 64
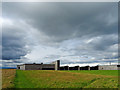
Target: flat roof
35 64
107 65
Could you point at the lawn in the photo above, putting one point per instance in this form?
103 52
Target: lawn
63 79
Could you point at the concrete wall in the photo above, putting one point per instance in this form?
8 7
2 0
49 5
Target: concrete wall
40 67
22 67
48 67
33 67
53 66
18 66
108 67
118 68
57 64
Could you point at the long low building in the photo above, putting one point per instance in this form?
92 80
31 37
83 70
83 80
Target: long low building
108 67
105 67
56 66
99 67
52 66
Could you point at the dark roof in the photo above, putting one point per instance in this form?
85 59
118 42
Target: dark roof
75 66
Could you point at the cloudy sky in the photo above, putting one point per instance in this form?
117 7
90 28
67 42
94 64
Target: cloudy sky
76 33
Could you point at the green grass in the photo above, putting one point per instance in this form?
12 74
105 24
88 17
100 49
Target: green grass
22 81
97 72
64 79
8 76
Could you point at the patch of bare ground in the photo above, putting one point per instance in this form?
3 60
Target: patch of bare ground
8 76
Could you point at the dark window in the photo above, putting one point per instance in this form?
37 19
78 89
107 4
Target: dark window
48 69
118 65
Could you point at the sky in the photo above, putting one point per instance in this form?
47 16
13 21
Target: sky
76 33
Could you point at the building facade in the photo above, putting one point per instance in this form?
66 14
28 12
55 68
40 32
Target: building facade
98 67
56 66
108 67
53 66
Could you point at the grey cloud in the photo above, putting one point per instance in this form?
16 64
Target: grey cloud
13 43
62 21
63 26
104 42
89 62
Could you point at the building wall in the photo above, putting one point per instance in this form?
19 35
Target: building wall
18 66
54 66
64 68
85 68
48 67
40 67
108 67
22 67
74 68
118 67
33 67
94 68
57 64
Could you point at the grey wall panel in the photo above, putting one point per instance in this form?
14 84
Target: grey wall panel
108 67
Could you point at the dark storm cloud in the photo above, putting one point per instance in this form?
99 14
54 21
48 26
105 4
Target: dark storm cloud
104 42
62 21
69 29
12 49
13 44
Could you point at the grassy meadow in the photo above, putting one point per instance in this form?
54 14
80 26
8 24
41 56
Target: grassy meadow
97 72
61 79
8 76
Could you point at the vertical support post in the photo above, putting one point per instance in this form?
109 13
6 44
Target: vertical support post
57 65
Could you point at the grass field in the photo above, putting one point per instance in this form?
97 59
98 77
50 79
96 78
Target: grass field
97 72
63 79
8 76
